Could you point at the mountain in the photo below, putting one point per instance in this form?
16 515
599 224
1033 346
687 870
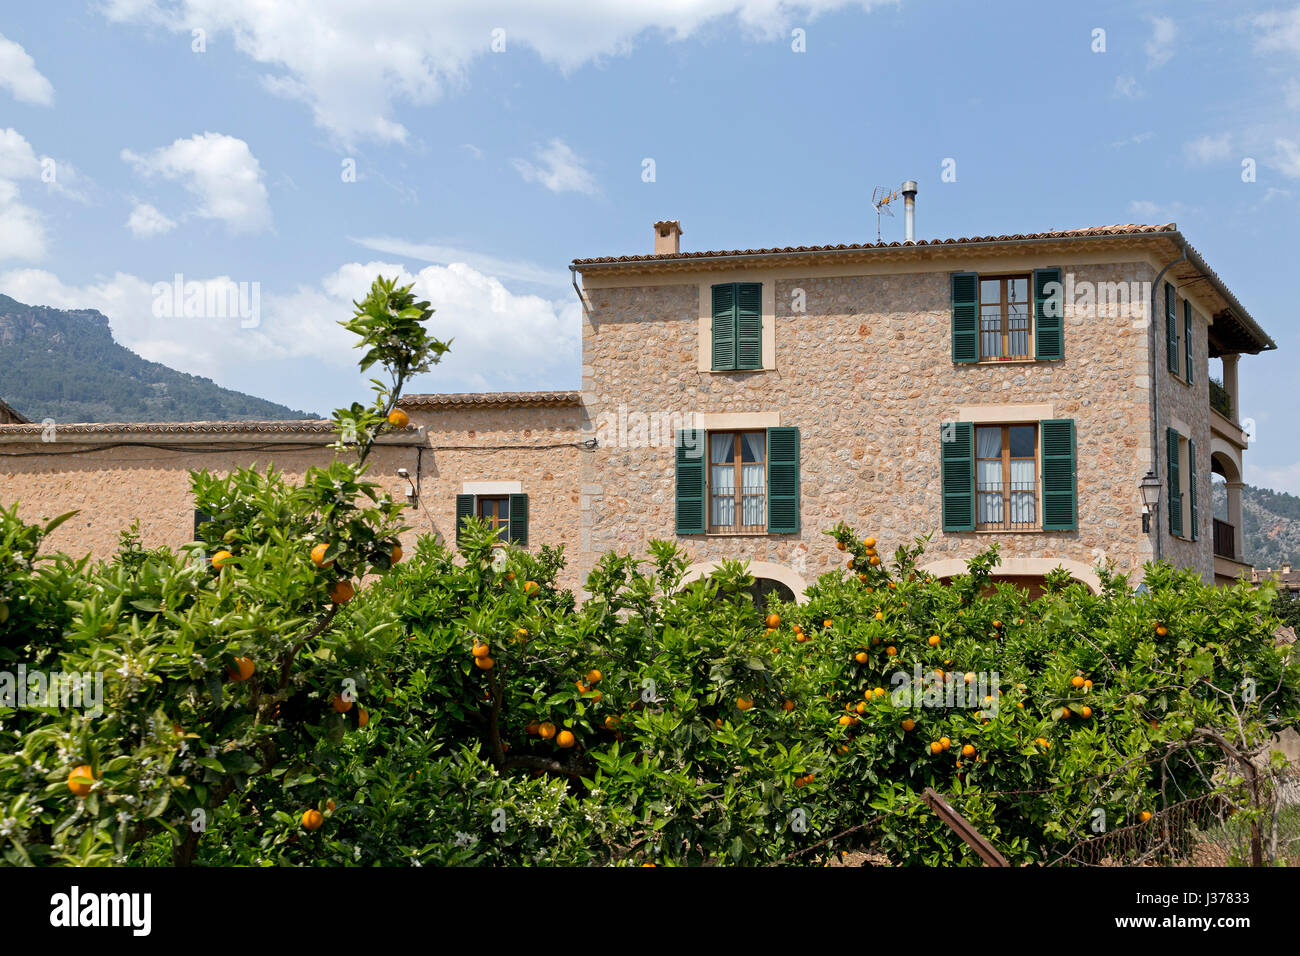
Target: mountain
1271 521
63 364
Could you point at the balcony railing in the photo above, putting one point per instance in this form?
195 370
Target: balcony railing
1225 539
1007 506
1220 401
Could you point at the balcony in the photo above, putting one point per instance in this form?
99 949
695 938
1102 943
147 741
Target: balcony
1225 539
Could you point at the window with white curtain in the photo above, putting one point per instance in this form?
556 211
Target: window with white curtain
1006 469
737 481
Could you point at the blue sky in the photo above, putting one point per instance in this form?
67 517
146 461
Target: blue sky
128 156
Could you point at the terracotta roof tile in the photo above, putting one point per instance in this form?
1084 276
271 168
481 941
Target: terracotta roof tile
304 427
496 399
1128 229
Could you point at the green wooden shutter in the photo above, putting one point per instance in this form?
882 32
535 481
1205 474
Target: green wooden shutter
1171 328
690 481
749 325
957 465
519 520
1187 337
1060 484
724 326
464 509
1049 315
782 480
965 317
1191 488
1175 484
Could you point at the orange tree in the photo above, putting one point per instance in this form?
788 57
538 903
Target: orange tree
210 658
661 723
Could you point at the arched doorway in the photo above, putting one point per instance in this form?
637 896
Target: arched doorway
769 578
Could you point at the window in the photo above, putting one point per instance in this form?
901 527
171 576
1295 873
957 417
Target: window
1004 318
1187 339
1005 470
495 511
1171 328
1010 318
737 333
506 513
1184 513
737 482
1012 477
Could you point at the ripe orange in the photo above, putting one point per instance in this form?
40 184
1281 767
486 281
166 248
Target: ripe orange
1160 629
891 650
934 640
396 554
318 556
840 545
484 663
532 726
521 634
869 543
222 558
242 670
330 805
880 692
565 739
968 750
1087 712
1076 681
861 657
997 623
1087 684
1065 713
398 418
530 587
339 704
909 724
861 708
880 615
875 559
744 703
936 747
611 722
363 717
773 621
945 743
81 779
1144 816
846 721
787 706
480 650
341 592
547 730
312 820
594 676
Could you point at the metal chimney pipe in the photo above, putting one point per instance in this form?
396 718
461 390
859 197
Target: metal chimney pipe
909 206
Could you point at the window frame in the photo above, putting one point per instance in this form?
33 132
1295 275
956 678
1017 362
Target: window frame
1005 332
738 496
1007 491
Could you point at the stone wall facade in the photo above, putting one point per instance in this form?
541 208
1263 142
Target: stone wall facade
110 484
865 371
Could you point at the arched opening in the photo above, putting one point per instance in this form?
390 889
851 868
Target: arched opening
1026 573
769 578
1225 502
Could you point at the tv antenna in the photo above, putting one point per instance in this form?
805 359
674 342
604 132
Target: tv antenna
881 197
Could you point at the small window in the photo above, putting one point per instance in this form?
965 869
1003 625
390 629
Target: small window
1006 311
737 482
495 510
1006 470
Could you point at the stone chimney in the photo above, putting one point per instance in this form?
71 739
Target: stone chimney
668 237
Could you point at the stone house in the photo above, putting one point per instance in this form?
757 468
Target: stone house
1009 389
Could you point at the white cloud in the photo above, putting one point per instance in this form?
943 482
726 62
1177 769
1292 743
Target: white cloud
1153 212
22 229
502 340
1127 86
1279 31
18 74
518 270
1287 157
146 221
561 170
220 170
1278 478
1208 149
1160 48
352 63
